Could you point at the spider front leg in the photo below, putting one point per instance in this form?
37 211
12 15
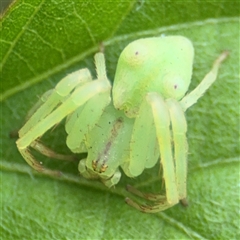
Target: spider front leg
52 98
180 145
42 109
60 104
174 172
192 97
37 145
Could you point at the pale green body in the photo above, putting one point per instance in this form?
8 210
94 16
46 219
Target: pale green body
141 123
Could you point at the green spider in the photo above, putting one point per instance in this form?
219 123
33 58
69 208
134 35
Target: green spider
130 125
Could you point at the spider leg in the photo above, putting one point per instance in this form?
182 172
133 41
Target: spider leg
69 94
44 106
207 81
161 118
179 129
29 158
53 98
144 151
38 146
38 104
147 196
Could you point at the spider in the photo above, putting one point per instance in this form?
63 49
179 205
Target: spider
131 125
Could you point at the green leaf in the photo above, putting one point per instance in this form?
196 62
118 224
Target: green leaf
43 40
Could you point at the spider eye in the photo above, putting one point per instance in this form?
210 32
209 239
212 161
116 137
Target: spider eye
174 87
135 54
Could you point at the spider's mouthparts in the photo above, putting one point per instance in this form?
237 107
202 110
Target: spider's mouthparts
99 168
